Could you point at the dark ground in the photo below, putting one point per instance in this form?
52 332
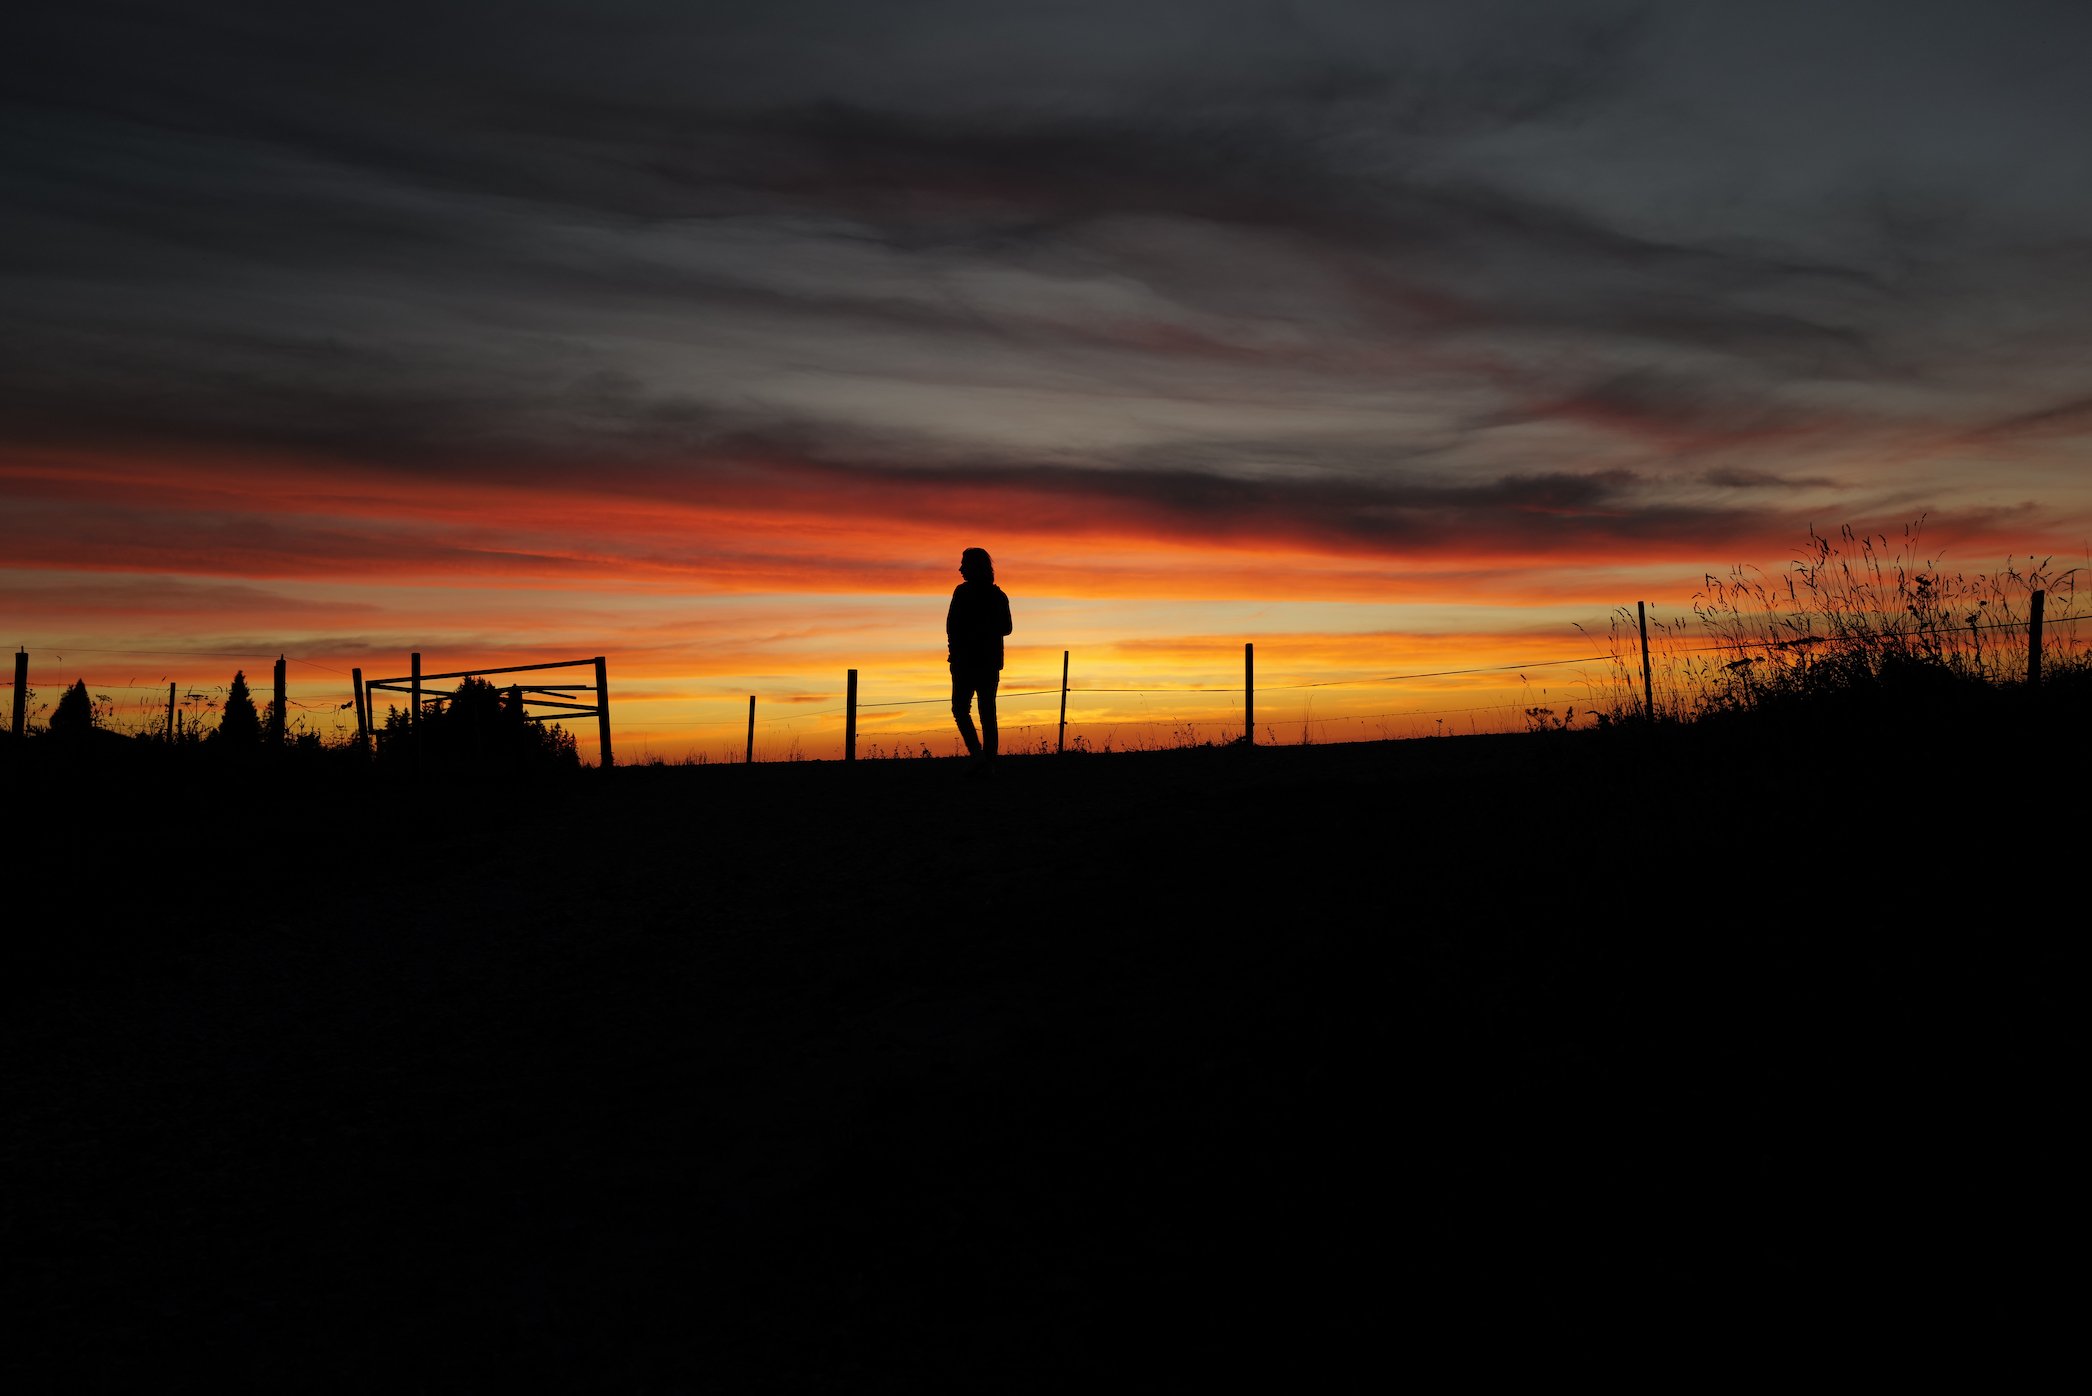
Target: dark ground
1113 1071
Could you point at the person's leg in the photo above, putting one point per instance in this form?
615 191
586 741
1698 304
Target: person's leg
962 703
985 687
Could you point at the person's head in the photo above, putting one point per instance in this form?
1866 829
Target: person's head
976 566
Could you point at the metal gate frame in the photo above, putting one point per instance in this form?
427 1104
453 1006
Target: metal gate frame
561 699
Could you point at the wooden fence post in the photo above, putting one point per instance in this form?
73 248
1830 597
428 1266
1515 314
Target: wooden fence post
850 720
363 723
748 752
1641 615
603 712
1249 694
2034 641
1062 744
279 727
21 690
414 700
170 712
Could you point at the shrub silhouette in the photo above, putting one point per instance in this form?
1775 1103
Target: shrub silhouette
74 715
241 725
480 728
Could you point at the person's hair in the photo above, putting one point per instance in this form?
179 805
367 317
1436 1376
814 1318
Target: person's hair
976 566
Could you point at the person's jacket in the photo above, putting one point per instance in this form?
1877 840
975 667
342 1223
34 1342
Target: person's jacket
974 626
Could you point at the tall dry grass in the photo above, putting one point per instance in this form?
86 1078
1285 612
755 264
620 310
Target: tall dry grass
1853 615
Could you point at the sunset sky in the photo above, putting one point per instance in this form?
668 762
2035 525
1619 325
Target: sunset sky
1395 338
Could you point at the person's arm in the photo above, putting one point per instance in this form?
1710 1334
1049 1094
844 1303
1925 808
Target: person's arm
1004 597
951 617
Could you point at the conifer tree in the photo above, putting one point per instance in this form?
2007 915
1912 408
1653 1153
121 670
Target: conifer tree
74 715
241 725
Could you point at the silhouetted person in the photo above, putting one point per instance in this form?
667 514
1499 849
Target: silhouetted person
974 626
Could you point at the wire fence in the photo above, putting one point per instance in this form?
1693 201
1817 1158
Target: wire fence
1621 687
1623 694
1087 731
190 707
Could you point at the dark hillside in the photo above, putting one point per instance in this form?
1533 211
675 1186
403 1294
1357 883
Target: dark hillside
1109 1068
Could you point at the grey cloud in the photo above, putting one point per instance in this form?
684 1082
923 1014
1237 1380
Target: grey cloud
437 237
2063 419
1765 480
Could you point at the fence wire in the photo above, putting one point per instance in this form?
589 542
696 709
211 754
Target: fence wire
1627 662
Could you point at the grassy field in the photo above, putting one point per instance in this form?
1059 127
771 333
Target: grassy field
1125 1070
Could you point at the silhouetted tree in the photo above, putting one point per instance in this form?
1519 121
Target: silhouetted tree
481 728
241 724
74 715
513 713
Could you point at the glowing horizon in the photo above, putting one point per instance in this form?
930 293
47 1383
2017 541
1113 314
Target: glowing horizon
1154 628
